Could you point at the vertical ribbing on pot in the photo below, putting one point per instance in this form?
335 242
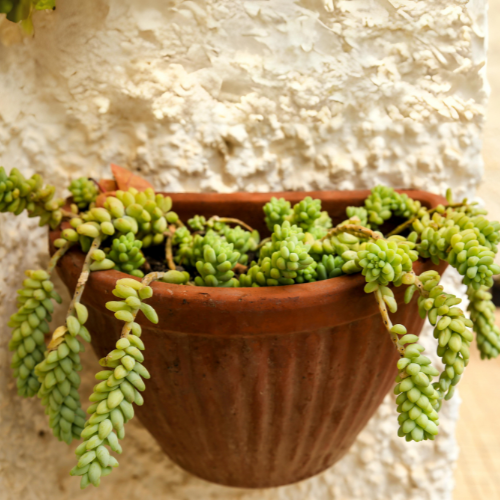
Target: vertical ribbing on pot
283 407
258 406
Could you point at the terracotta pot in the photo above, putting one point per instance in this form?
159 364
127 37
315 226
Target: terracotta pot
257 387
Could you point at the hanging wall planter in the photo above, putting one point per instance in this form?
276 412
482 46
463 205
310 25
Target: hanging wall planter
258 387
264 358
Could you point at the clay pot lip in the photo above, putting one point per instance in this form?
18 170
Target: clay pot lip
428 199
339 284
316 291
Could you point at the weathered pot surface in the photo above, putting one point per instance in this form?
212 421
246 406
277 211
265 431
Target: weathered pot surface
257 387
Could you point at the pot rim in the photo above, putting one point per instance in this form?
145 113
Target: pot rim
305 297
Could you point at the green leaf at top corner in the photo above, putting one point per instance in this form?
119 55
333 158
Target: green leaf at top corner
45 4
6 6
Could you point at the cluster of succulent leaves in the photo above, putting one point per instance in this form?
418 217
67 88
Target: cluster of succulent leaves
20 11
84 192
30 324
306 214
303 247
18 194
59 379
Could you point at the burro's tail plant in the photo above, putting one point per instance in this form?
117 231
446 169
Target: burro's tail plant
120 384
124 229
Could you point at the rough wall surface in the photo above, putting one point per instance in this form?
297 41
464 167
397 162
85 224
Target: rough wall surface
226 95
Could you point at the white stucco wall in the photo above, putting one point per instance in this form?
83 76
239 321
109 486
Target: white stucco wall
226 95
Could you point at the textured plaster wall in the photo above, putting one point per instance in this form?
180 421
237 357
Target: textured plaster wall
230 95
488 190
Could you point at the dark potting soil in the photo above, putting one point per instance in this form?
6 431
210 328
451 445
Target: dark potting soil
156 260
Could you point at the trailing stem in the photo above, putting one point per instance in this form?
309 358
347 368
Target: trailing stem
55 258
84 275
230 220
262 243
68 215
355 230
387 321
168 251
419 285
409 222
58 334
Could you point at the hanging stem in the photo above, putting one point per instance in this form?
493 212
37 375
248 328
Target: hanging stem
168 251
387 321
68 215
84 275
262 243
58 334
409 222
55 258
146 281
230 220
419 285
355 230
